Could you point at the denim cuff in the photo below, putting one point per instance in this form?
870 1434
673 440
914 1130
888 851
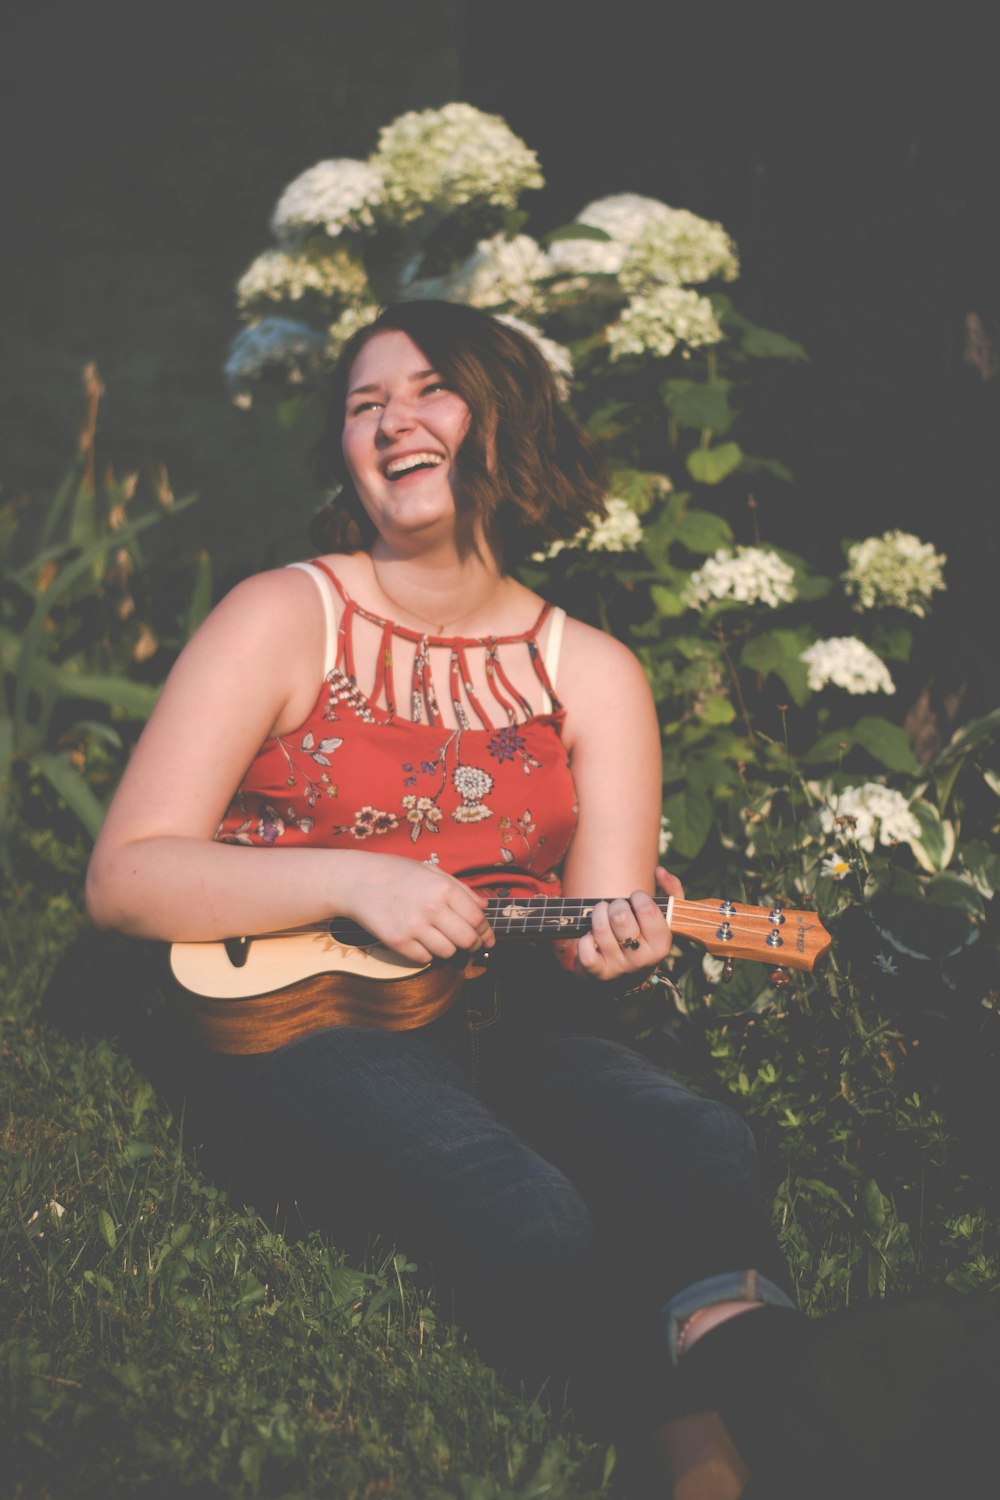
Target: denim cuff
728 1286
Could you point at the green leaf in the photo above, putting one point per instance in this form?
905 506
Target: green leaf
63 776
954 890
6 759
875 1204
926 919
61 501
780 651
771 466
200 601
575 232
106 1224
892 643
982 865
689 811
717 709
712 465
763 343
885 742
134 699
610 420
666 602
936 845
693 403
967 738
703 532
33 635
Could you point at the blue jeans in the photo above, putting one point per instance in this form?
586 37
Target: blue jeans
562 1189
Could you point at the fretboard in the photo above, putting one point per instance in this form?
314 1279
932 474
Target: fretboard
551 916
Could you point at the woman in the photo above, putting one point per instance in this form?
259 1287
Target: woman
589 1214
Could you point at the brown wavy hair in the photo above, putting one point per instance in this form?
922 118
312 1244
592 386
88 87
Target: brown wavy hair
524 465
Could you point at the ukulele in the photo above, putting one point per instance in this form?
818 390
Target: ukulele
255 994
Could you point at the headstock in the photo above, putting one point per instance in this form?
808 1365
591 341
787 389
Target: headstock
729 930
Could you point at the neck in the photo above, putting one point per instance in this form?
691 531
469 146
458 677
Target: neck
438 593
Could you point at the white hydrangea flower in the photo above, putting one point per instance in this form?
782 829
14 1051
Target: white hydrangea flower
585 257
623 216
619 531
350 320
499 270
864 813
655 323
681 249
334 196
748 575
278 276
846 662
444 158
666 837
556 356
279 343
896 570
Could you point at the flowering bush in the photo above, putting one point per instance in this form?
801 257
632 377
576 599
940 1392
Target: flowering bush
750 575
847 663
779 785
894 570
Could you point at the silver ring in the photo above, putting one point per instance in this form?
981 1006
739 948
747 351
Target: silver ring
630 943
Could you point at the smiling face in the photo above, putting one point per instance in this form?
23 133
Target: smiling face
403 428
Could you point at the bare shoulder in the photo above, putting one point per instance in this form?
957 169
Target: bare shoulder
603 688
593 659
277 610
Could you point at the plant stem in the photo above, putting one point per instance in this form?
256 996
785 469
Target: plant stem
720 637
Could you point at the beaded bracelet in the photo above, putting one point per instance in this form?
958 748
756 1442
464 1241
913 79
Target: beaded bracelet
644 984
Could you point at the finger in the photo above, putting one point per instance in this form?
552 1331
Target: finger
622 921
413 951
459 931
652 924
589 956
601 935
669 884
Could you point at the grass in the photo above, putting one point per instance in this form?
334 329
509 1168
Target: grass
161 1342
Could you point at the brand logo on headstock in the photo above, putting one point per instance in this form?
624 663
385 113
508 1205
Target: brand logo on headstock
801 928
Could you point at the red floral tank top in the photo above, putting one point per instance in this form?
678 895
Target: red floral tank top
491 800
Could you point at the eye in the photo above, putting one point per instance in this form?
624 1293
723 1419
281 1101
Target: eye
362 406
434 386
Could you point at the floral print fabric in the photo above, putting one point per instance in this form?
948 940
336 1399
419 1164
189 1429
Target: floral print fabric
492 804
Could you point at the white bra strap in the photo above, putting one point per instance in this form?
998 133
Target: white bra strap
553 646
326 594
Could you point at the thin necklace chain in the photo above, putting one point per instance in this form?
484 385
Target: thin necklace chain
438 628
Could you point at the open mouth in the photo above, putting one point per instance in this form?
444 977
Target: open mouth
411 463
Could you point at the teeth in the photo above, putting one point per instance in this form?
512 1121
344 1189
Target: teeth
411 461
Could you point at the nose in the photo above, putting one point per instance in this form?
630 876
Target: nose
396 417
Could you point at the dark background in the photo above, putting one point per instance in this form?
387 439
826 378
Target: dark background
853 159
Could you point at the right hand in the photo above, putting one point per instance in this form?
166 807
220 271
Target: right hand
419 912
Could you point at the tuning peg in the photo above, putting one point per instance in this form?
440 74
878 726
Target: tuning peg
727 969
780 977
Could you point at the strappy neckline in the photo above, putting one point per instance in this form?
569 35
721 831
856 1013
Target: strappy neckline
417 636
423 700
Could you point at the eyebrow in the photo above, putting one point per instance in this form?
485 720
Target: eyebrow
377 385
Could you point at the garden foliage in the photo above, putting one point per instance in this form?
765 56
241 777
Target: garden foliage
789 774
87 624
183 1341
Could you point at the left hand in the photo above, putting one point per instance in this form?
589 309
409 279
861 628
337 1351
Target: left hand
627 939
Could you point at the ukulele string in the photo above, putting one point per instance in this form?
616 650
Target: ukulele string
516 916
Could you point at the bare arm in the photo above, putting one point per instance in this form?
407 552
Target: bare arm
614 740
253 668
